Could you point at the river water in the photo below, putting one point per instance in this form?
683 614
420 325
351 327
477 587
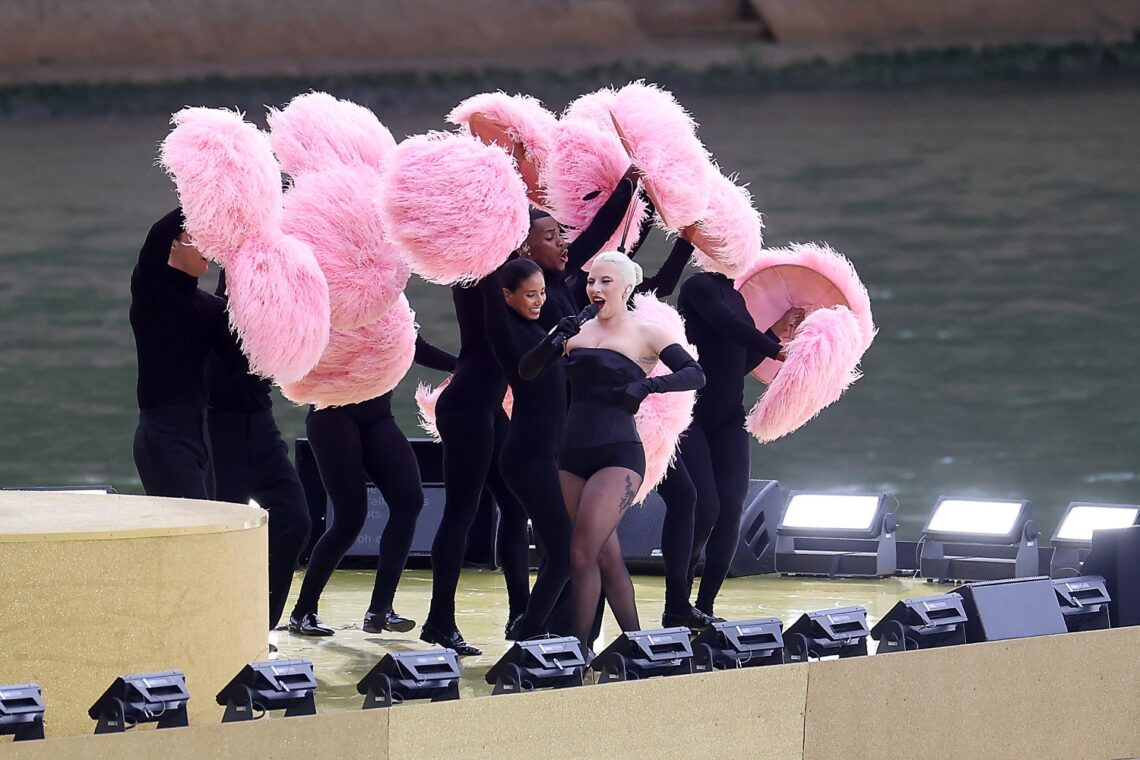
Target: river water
994 225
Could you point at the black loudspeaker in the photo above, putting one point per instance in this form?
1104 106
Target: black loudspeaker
1115 556
755 550
429 456
1011 609
640 531
640 535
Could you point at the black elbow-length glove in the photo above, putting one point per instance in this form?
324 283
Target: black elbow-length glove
536 360
687 375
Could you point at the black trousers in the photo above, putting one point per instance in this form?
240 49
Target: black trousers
350 442
251 461
677 530
718 462
172 453
472 441
532 477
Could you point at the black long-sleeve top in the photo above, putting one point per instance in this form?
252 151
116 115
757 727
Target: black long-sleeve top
718 324
562 287
539 404
478 381
663 283
433 357
232 387
176 325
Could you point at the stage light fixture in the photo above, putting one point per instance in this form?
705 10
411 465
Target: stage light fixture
1011 608
841 632
644 654
1073 537
979 540
21 712
554 663
1084 602
287 685
142 698
400 676
836 535
923 623
739 644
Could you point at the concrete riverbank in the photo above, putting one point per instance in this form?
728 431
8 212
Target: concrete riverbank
56 41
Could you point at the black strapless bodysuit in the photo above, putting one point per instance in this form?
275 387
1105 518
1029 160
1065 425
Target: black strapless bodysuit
599 433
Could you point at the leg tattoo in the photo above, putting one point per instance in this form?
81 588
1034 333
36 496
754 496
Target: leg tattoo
627 498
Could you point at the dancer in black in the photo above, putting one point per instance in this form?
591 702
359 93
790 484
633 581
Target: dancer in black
715 449
561 262
473 426
176 327
676 489
602 460
251 461
348 443
514 301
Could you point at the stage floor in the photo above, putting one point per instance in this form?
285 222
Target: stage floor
340 661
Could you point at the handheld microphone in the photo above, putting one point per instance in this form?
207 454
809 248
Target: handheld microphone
588 313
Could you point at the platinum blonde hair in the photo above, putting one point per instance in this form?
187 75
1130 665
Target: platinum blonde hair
628 269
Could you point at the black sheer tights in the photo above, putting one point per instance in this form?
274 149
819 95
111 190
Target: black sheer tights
596 506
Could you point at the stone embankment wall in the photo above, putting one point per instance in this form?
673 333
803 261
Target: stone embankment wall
155 40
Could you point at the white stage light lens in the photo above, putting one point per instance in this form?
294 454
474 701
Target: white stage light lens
1083 519
987 518
811 510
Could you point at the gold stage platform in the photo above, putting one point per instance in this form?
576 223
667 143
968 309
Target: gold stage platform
98 596
98 586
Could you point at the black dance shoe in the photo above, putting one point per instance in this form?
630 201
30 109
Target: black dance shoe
694 620
309 625
513 630
452 639
388 620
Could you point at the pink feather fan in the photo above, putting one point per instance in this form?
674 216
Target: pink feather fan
823 357
426 399
278 305
335 150
455 207
582 169
517 123
729 237
332 210
594 108
362 363
317 131
230 187
227 179
663 417
662 140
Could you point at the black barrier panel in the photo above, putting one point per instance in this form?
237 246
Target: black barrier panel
1115 556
